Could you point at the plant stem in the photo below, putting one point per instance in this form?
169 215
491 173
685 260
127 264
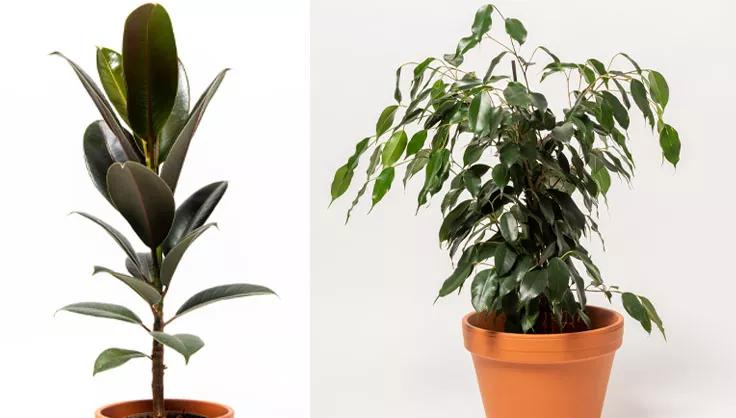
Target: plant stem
157 369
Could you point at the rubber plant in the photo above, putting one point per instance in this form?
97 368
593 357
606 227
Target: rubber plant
134 156
521 181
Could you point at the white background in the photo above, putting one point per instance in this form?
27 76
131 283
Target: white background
254 135
379 346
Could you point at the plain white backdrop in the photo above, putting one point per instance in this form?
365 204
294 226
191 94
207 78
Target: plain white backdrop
254 135
379 346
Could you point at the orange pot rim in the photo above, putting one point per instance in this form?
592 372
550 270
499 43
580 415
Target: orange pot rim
606 337
228 412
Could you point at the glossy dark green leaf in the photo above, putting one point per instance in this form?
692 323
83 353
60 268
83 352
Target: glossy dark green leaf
110 70
221 293
382 184
532 285
385 120
151 69
510 154
115 357
114 233
619 111
101 150
184 344
125 139
659 88
179 114
559 278
516 95
653 315
509 227
492 66
482 21
570 210
456 279
416 143
598 66
176 156
141 268
484 289
504 258
149 293
669 141
172 259
394 148
104 310
397 89
639 93
500 175
194 212
633 306
530 316
602 178
143 199
516 30
479 114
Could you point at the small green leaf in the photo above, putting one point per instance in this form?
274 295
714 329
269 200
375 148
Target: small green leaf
344 174
221 293
669 141
504 258
383 184
633 306
104 310
559 278
516 95
484 289
142 288
516 30
479 113
510 154
500 175
532 285
185 344
639 93
509 227
653 315
619 111
114 357
456 279
492 66
416 143
397 89
394 148
110 70
659 88
482 21
385 120
539 101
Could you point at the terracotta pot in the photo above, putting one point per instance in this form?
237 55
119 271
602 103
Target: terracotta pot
551 375
124 409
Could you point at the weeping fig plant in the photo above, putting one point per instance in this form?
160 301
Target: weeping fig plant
520 180
134 156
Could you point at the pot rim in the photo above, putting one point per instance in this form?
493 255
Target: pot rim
228 410
618 323
546 348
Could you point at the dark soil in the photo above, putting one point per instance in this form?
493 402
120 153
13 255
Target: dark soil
170 414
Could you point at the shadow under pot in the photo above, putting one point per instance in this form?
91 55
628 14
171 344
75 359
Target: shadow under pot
566 374
176 408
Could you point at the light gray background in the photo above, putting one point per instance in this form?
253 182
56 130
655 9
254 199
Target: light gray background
379 346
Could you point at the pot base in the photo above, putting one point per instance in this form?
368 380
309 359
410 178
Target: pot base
179 408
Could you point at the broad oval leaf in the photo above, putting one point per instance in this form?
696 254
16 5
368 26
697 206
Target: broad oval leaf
500 175
504 259
185 344
110 70
114 357
151 69
516 30
220 293
175 159
114 233
659 88
172 259
532 285
194 212
179 114
559 278
416 143
516 95
144 199
149 293
104 310
101 150
563 132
